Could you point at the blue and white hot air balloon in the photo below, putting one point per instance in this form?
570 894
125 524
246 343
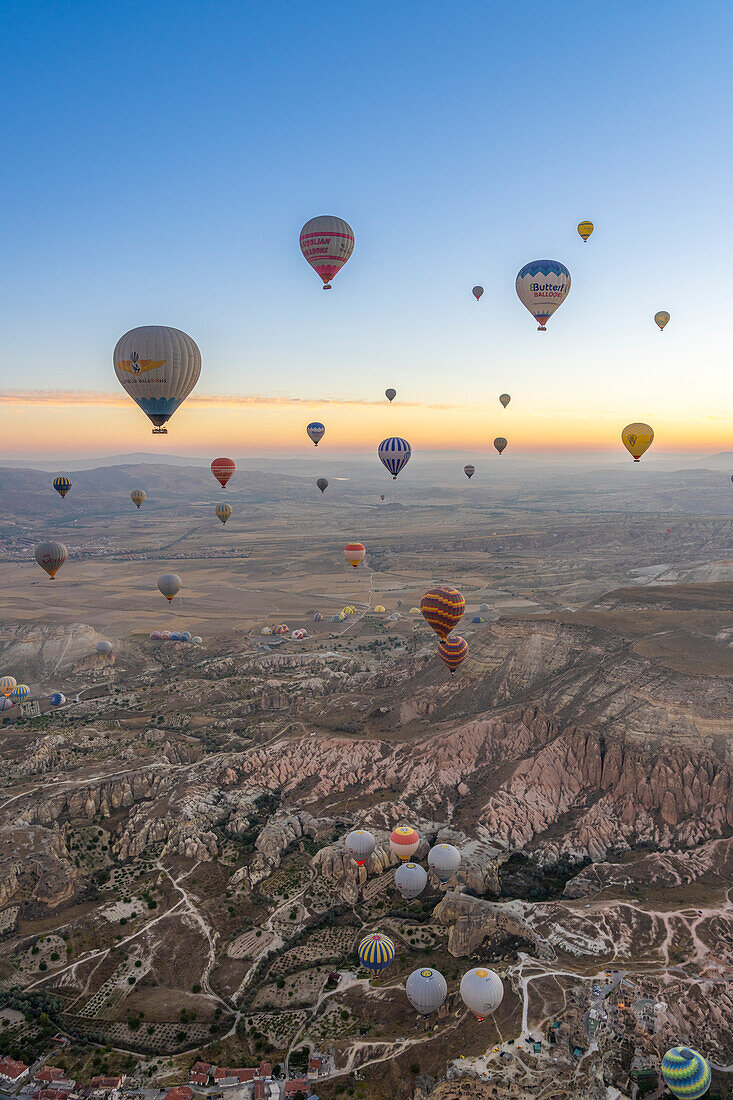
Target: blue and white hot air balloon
316 432
685 1073
57 699
394 453
158 367
542 286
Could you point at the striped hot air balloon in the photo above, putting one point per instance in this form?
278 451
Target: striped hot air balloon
137 496
222 469
453 651
394 453
469 471
327 243
442 608
686 1073
376 952
62 486
7 683
354 552
223 512
20 693
585 229
5 703
404 842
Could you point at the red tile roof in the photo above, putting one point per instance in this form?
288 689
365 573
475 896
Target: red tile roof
259 1091
242 1075
53 1094
182 1092
50 1073
298 1084
12 1069
107 1082
265 1069
199 1078
201 1067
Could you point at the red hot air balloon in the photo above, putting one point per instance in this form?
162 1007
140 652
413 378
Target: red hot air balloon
442 608
453 650
222 469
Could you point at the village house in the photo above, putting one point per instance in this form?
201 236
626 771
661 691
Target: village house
13 1071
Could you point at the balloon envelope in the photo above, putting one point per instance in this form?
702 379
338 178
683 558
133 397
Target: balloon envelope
376 952
6 703
222 469
501 443
104 648
394 453
585 229
543 286
157 367
685 1072
360 844
327 242
426 990
469 471
57 699
51 556
20 693
62 486
444 860
637 438
477 292
316 431
137 496
390 394
482 991
354 552
410 879
223 512
169 584
322 484
453 651
7 683
404 842
442 608
505 399
661 318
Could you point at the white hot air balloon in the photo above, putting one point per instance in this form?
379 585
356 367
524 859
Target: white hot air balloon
542 286
158 367
444 860
327 242
482 991
426 990
105 648
51 556
410 879
360 845
169 584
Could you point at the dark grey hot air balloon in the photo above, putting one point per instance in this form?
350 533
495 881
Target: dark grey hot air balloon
500 443
390 394
322 484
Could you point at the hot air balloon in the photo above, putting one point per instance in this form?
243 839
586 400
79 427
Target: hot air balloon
426 990
165 635
5 704
327 242
542 286
469 471
380 609
505 399
51 556
394 453
442 608
222 469
104 648
453 651
477 292
444 860
685 1073
322 484
57 699
390 394
637 438
20 693
501 443
410 879
360 844
154 635
404 842
62 486
175 635
137 496
585 229
197 639
376 952
223 512
662 319
316 431
281 628
317 618
354 552
482 991
7 683
158 367
186 636
169 584
381 495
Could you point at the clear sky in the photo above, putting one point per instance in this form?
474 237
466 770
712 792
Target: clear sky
159 160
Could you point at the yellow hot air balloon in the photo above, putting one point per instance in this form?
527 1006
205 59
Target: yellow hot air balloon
637 438
662 319
585 229
223 512
137 496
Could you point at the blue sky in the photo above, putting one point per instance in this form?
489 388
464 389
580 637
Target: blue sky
161 158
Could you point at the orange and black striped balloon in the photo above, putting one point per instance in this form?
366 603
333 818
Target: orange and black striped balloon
442 608
453 651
